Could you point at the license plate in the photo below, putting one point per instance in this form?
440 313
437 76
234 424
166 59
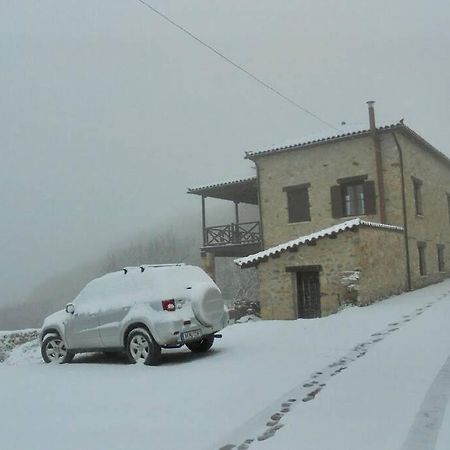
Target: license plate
190 335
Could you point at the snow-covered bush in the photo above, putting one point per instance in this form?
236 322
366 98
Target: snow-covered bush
245 307
9 340
350 282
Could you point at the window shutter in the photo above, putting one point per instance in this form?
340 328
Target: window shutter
337 207
298 205
370 204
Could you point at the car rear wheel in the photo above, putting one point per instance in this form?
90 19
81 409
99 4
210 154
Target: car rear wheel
201 346
141 348
54 350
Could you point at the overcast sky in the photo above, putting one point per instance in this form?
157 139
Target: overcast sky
108 113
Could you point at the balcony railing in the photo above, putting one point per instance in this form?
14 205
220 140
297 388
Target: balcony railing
233 234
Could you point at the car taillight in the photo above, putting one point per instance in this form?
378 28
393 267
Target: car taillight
168 305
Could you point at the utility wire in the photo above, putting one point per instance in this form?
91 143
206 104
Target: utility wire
235 65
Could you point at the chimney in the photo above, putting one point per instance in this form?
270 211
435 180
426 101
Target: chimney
378 161
371 104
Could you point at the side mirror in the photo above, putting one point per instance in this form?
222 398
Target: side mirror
70 308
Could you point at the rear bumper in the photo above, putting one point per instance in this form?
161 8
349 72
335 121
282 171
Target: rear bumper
168 330
170 333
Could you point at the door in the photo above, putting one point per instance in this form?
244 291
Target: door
308 294
82 331
110 323
119 295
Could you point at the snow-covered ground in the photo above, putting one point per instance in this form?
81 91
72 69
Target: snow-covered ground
366 378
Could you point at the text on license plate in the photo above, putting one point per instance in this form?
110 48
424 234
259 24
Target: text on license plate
189 335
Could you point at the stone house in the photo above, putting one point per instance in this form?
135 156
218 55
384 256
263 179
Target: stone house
349 217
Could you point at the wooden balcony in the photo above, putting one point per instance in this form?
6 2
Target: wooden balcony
236 239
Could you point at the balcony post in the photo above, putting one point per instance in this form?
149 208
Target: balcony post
209 263
203 220
235 230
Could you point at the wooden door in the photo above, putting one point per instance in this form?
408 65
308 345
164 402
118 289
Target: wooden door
308 295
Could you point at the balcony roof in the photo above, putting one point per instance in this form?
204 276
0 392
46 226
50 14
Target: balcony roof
240 191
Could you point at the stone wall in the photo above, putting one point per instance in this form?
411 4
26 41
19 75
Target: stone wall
339 259
433 227
382 263
358 267
319 165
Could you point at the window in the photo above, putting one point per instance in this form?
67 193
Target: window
298 203
417 184
421 246
441 260
353 197
448 205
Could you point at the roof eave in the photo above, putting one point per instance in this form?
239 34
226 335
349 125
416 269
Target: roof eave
252 155
350 225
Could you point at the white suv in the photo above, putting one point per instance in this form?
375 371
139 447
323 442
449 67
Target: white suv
138 310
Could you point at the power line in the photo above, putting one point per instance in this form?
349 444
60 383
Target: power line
235 65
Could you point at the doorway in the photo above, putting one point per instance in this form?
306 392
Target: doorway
308 294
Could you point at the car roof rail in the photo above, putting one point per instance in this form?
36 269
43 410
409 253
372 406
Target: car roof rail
164 265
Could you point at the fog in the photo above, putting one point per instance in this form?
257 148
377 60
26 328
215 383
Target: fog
108 113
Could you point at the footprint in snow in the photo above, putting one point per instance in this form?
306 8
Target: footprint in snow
270 432
311 395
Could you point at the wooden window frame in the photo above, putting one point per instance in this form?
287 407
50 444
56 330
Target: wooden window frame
292 269
418 195
294 216
421 247
357 206
441 257
448 206
338 193
349 180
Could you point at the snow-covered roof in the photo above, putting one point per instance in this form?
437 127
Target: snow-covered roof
294 243
341 132
346 132
243 190
199 189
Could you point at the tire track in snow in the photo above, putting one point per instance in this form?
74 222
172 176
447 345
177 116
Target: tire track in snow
424 431
265 424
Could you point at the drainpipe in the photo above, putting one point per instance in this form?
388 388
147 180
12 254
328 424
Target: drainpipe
378 161
405 215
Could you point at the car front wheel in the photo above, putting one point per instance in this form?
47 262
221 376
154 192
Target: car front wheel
54 350
142 348
201 346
